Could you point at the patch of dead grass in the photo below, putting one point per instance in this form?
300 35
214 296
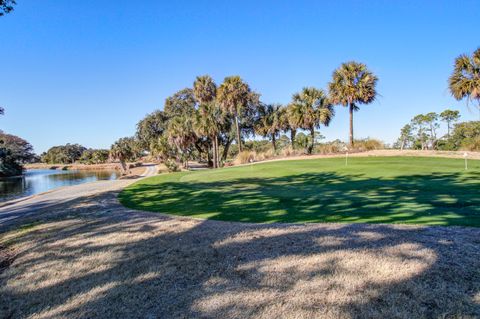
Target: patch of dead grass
93 258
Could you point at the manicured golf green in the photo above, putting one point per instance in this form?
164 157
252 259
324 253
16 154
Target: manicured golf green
413 190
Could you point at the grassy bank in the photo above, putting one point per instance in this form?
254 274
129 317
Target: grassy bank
413 190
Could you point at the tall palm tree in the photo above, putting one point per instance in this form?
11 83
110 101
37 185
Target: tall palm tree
233 96
204 89
465 79
309 109
122 151
268 122
208 122
287 124
208 116
352 84
180 133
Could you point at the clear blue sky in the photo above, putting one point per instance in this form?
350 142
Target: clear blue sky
87 71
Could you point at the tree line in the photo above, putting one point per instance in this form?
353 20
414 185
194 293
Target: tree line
74 153
422 133
464 84
204 121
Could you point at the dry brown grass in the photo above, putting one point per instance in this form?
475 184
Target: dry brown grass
91 258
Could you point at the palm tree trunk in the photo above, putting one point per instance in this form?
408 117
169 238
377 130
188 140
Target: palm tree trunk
448 129
312 135
274 143
226 148
210 163
292 137
239 141
212 138
351 124
217 161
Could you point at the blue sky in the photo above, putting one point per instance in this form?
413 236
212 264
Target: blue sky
87 71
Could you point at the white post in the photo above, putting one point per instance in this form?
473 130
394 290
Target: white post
465 155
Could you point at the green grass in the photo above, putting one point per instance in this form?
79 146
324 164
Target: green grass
413 190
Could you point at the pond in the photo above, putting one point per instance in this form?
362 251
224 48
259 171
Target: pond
41 180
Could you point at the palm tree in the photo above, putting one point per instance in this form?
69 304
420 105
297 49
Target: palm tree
233 96
287 124
180 133
465 79
209 115
208 122
6 6
309 109
352 84
268 122
122 150
204 89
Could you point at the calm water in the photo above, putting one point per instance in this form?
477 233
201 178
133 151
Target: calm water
39 180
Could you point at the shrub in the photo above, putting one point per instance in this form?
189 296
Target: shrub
172 166
368 144
270 153
333 147
445 145
472 144
289 151
245 157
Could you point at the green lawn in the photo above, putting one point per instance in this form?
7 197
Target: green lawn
414 190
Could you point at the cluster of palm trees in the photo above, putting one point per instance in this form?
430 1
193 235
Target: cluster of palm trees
207 118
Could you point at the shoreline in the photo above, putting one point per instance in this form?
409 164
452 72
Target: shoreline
79 167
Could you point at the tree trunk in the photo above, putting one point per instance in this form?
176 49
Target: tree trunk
402 145
351 125
214 151
448 129
312 135
217 160
124 167
210 163
239 140
226 148
274 143
292 137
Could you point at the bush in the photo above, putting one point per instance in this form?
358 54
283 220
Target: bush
472 144
245 157
289 151
172 166
445 145
333 147
270 153
368 144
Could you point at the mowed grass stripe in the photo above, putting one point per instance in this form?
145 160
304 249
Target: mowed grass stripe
412 190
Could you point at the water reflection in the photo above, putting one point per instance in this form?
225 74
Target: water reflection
37 181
